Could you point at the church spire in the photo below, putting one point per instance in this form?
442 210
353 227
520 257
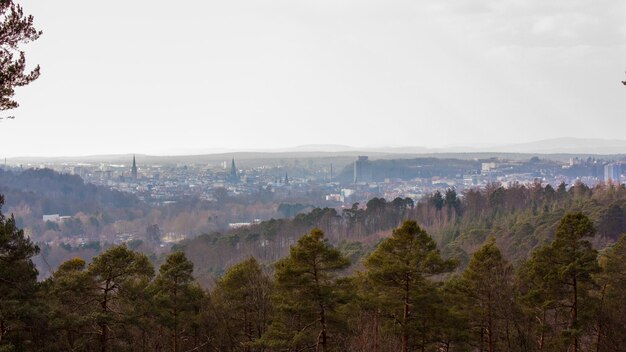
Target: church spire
234 177
133 169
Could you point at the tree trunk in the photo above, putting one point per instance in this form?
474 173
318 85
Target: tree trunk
490 325
599 334
323 324
376 332
176 315
405 316
322 314
543 334
575 314
103 326
482 338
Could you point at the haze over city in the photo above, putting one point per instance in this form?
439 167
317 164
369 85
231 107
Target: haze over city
161 78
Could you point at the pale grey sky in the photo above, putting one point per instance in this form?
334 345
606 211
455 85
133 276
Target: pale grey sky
168 77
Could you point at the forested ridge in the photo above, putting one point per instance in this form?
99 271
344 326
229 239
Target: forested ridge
35 192
520 218
404 294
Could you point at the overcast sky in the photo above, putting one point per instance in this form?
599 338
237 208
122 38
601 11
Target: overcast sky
166 77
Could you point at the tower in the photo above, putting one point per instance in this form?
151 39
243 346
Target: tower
133 169
612 172
233 177
286 179
362 170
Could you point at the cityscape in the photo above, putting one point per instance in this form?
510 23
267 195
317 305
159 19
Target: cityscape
323 186
312 176
300 185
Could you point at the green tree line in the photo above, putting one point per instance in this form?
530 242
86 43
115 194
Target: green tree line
520 217
404 296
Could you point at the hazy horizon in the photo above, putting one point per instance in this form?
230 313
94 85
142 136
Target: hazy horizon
162 79
563 146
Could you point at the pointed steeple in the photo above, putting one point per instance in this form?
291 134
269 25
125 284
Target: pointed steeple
286 179
133 169
234 177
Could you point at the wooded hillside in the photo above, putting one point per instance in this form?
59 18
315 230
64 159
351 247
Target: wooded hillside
405 297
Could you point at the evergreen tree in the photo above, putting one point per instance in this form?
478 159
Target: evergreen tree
400 270
67 295
452 201
560 278
242 301
437 200
611 317
16 29
613 222
307 297
453 328
486 292
176 296
119 275
18 281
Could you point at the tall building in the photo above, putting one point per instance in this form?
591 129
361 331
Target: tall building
234 176
612 172
362 170
133 169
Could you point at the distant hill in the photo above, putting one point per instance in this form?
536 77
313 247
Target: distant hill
585 146
554 149
568 145
47 192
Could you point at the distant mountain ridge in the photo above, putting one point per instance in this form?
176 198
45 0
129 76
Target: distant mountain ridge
566 145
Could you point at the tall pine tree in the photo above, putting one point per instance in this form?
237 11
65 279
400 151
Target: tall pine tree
18 280
177 297
118 274
242 306
401 271
611 317
560 278
307 297
487 294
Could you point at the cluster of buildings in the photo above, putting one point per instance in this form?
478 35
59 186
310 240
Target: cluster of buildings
224 182
506 173
615 172
165 184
